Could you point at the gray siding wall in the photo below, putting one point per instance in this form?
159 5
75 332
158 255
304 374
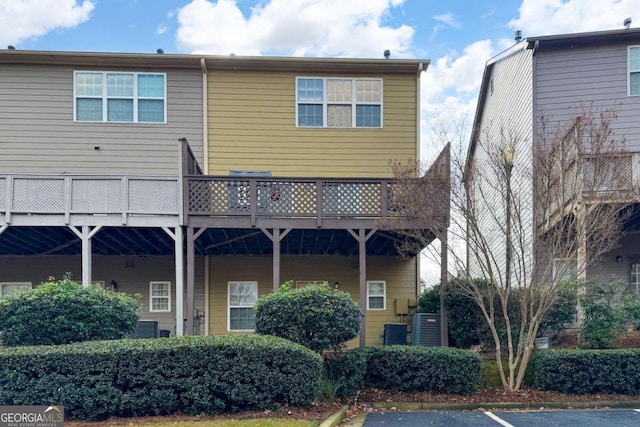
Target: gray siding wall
132 275
38 133
507 115
595 77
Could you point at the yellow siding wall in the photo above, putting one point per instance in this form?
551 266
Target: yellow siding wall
400 276
252 126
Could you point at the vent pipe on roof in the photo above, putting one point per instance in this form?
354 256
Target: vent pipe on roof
518 36
387 54
159 51
11 47
627 23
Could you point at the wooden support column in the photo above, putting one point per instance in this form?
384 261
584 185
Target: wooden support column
192 236
275 238
444 283
362 236
191 275
85 235
179 265
581 259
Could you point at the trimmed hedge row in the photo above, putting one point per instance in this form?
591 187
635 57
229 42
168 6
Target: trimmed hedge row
406 368
101 379
588 371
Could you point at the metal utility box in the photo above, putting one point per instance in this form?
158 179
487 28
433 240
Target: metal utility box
146 329
425 329
395 334
402 306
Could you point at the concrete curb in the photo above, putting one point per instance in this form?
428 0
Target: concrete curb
336 418
417 406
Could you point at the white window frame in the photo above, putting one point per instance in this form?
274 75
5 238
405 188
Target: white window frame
631 70
353 103
104 97
303 283
229 307
384 294
154 297
26 285
635 284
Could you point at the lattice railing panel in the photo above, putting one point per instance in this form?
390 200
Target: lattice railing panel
346 198
3 194
208 196
304 196
153 196
96 195
41 195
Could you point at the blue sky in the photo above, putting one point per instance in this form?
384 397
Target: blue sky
457 36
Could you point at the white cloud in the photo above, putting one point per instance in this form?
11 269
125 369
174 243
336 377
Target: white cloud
21 20
352 28
545 17
448 19
161 29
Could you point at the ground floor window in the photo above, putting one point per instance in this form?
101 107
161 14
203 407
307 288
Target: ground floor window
376 295
8 288
160 296
635 276
242 299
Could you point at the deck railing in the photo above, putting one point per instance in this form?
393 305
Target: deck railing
97 195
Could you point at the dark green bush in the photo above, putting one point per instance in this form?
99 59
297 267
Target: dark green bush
62 312
346 371
408 368
468 326
101 379
588 371
416 368
607 306
315 316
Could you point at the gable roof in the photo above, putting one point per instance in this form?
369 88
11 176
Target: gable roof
559 41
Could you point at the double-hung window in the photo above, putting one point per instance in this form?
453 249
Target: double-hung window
634 70
160 296
242 299
119 97
338 102
8 288
376 295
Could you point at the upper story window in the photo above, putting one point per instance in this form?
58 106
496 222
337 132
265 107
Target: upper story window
634 70
119 97
338 102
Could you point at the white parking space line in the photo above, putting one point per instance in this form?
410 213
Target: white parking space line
497 419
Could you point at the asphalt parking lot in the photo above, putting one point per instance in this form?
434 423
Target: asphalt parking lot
591 418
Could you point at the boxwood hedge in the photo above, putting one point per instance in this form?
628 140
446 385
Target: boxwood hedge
588 371
100 379
406 368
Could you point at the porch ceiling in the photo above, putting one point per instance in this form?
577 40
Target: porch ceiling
215 241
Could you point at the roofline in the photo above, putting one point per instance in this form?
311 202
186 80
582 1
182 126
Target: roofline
535 43
213 62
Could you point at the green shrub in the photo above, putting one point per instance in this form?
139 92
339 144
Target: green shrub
346 371
588 371
607 306
408 368
468 326
192 375
315 316
61 312
416 368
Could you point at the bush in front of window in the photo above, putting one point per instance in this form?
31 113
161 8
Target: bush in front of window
62 312
139 377
316 316
406 368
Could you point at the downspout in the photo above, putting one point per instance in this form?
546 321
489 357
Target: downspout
205 115
205 151
418 129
